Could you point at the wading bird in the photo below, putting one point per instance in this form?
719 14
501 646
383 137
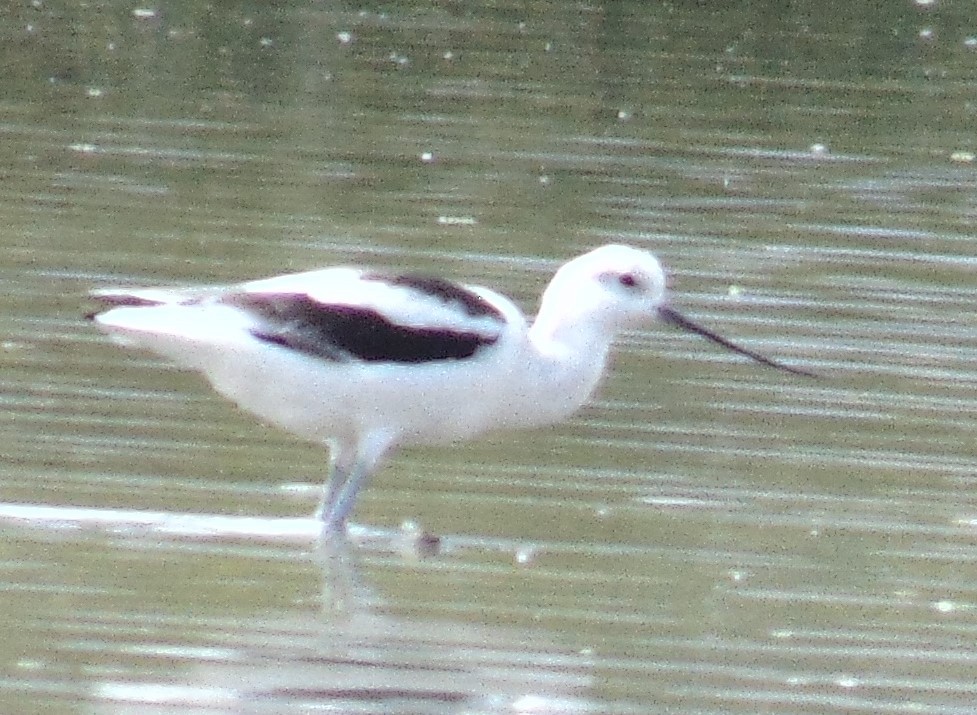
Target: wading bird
366 361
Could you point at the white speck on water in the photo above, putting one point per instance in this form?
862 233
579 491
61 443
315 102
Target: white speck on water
457 220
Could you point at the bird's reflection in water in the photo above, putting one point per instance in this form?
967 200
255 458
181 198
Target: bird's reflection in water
351 657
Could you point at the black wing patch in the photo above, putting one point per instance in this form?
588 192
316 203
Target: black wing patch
446 291
343 333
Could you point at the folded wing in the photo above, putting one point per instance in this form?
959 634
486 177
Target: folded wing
336 314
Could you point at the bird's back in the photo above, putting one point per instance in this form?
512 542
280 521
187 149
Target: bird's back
339 351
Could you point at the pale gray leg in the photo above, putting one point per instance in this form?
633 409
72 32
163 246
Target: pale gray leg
333 517
342 499
338 476
350 471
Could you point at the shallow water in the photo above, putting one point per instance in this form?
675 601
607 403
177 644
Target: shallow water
708 536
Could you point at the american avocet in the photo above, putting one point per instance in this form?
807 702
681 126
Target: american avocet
365 361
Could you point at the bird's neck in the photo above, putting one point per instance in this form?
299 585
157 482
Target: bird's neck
569 361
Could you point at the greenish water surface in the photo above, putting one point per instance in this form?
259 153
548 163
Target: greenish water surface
707 536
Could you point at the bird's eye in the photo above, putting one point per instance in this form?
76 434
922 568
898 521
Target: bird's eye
627 280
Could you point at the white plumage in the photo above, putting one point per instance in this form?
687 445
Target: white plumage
366 361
